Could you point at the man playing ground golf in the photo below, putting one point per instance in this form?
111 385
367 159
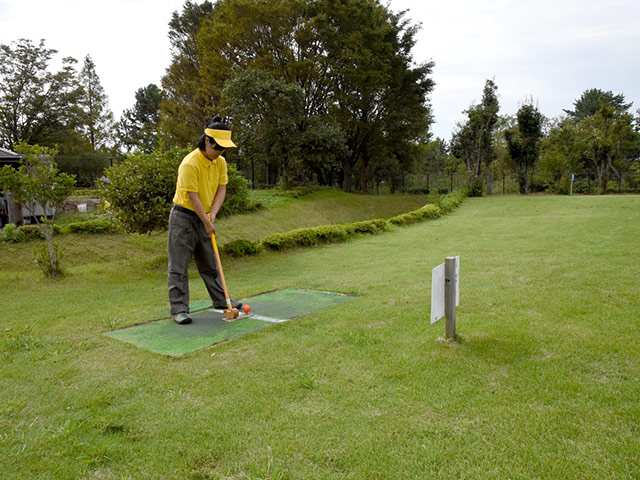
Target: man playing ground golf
200 192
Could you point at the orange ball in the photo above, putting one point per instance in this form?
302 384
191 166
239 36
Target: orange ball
246 308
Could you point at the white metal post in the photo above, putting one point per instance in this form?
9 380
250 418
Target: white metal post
450 287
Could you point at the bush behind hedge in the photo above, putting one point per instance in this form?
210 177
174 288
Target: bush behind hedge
27 233
140 190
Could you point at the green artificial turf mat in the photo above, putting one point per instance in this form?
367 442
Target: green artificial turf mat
208 327
293 302
169 338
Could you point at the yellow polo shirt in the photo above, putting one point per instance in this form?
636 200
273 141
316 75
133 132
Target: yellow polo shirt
199 174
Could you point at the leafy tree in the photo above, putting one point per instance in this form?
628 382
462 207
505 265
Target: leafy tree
37 183
269 112
523 143
138 127
591 100
268 115
603 145
189 101
612 143
634 175
36 105
350 59
434 156
473 141
246 42
502 163
562 153
380 95
462 144
97 119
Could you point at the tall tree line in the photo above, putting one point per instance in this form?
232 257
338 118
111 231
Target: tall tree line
37 105
598 141
322 90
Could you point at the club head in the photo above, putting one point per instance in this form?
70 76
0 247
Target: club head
231 313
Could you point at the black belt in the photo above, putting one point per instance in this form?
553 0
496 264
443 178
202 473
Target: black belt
184 210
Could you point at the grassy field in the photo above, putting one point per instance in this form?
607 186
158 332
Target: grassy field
543 384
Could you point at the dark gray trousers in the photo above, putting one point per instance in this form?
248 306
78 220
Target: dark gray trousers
188 238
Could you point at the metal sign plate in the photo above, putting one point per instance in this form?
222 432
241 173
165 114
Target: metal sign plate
437 293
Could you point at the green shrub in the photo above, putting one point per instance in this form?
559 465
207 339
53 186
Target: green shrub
430 211
10 233
423 213
476 189
304 237
329 233
25 233
374 226
140 190
34 232
451 201
103 225
403 219
30 232
239 248
275 241
237 198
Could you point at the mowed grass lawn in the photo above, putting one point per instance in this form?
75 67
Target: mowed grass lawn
544 383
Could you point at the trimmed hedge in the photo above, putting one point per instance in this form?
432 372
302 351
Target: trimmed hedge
239 248
451 201
372 227
304 237
423 213
93 226
28 233
445 204
32 232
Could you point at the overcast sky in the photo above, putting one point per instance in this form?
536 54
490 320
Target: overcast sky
550 51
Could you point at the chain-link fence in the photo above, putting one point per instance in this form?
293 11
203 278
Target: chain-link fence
441 183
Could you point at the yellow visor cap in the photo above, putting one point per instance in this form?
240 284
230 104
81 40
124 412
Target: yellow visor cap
222 137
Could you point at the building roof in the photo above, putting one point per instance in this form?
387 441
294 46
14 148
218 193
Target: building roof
8 155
